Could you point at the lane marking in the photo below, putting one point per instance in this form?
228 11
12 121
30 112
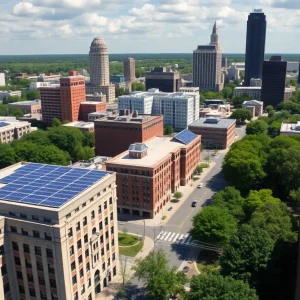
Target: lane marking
171 237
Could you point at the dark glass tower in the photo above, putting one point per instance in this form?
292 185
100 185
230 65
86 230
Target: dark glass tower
255 45
273 81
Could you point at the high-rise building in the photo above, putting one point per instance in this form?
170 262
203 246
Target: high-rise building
207 64
129 69
273 81
224 62
163 79
2 79
99 70
255 45
60 238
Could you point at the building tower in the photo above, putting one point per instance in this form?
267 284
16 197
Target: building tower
273 81
299 76
99 62
207 64
255 45
129 69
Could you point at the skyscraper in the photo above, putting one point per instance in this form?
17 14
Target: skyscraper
207 64
255 45
99 70
129 69
273 81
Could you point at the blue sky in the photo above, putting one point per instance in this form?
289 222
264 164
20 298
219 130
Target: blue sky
141 26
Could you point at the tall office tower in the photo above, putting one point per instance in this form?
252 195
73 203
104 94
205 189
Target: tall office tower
207 64
99 70
224 62
255 45
60 238
72 93
129 69
99 62
273 81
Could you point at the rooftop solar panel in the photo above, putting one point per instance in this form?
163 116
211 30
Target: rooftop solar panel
47 185
185 136
3 124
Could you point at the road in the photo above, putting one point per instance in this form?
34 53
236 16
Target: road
181 222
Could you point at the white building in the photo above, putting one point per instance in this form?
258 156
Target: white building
2 79
288 92
233 72
255 82
83 126
39 84
179 109
258 106
290 128
254 91
12 129
4 94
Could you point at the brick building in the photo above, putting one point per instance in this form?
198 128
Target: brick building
30 107
114 134
90 107
58 232
215 133
149 172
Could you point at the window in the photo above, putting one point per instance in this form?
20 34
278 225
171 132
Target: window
101 239
87 268
92 199
37 250
112 230
106 235
111 216
107 247
106 221
84 221
79 244
113 256
76 296
110 200
84 204
36 233
47 220
12 214
86 238
68 216
48 236
70 232
103 266
78 226
32 292
3 270
89 282
81 273
15 246
105 205
13 229
26 248
24 232
87 253
49 253
52 283
92 214
42 281
77 209
99 209
39 266
80 259
43 295
21 289
82 289
51 269
74 279
94 230
100 226
30 277
112 242
19 275
28 263
73 265
23 216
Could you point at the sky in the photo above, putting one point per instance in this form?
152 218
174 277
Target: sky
141 26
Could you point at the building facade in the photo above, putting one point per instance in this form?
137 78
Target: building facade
88 107
11 130
149 172
258 106
82 126
57 247
207 65
5 94
273 81
29 107
2 79
253 91
255 45
215 133
129 69
126 129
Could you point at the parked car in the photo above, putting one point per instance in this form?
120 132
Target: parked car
200 185
194 203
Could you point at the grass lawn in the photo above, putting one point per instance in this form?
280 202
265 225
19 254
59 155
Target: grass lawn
207 260
127 239
131 251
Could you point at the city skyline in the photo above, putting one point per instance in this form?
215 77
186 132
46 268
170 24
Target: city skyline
158 26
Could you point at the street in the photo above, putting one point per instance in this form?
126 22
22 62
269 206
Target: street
173 236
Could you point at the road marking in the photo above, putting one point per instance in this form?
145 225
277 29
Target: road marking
184 239
176 237
188 241
171 237
167 235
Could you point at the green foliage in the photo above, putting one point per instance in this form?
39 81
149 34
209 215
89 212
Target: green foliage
168 130
214 225
248 254
238 100
7 156
32 95
56 122
89 139
39 137
177 195
121 92
241 115
199 169
136 86
231 200
161 281
213 286
13 112
269 108
256 127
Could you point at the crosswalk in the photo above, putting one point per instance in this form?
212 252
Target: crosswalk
174 237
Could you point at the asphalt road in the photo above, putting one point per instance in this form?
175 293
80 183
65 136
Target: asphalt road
180 223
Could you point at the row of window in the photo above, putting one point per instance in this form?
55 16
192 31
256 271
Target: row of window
35 233
37 249
33 217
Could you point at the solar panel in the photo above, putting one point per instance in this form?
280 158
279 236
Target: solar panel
185 136
47 185
3 124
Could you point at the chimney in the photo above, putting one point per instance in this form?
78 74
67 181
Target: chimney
135 114
127 112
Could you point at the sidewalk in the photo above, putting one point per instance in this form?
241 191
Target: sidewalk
185 190
112 290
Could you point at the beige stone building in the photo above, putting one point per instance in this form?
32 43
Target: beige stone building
13 130
129 69
58 232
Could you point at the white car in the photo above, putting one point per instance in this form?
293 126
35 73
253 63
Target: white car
200 185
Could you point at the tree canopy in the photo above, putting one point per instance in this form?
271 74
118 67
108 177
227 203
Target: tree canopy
168 130
257 127
241 115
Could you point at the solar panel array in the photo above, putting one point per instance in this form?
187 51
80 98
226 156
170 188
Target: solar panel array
47 185
185 136
3 124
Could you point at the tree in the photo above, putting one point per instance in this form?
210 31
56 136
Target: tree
214 225
32 95
136 86
227 92
238 100
56 122
213 286
274 129
269 108
168 130
177 195
38 137
89 139
241 115
230 199
199 169
161 280
256 127
247 255
7 155
124 272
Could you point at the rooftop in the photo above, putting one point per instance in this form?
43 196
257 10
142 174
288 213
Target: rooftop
33 102
248 88
157 149
80 124
90 102
253 101
128 119
213 122
291 128
45 185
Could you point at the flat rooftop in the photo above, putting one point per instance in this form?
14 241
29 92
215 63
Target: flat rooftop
33 102
291 128
80 124
128 119
247 88
91 102
45 185
213 122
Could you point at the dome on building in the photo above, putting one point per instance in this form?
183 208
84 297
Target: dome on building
98 41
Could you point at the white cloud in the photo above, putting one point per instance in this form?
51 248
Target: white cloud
27 9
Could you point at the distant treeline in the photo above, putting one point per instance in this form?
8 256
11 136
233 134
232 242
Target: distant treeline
63 63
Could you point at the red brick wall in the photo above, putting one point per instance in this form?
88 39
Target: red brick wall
86 109
153 128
